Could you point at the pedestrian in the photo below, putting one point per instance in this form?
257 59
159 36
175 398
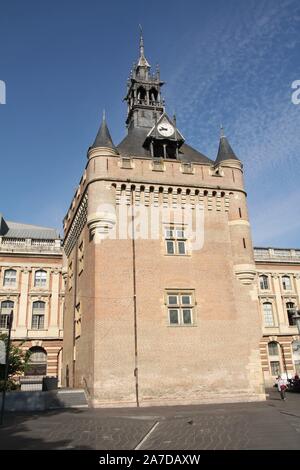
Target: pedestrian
281 387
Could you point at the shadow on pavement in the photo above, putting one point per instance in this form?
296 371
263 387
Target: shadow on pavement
28 430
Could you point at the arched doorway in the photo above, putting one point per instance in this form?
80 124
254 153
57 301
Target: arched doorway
37 362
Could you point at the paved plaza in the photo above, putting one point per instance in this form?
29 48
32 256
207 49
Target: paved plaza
273 424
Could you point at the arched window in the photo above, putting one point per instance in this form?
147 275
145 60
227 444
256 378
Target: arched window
273 348
40 278
264 282
274 358
290 308
5 310
38 315
37 361
153 95
268 314
286 283
10 277
296 355
141 94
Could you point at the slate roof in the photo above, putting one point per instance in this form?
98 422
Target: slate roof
10 229
225 151
103 138
132 145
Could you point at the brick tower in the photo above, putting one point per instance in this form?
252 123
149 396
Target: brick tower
161 298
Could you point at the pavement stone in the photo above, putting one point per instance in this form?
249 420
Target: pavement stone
274 424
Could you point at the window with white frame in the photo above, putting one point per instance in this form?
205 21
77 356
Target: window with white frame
180 308
275 368
40 278
268 314
6 308
176 240
274 358
264 282
38 315
273 348
286 283
10 277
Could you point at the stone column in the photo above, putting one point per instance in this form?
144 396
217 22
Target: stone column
297 282
282 321
53 320
22 326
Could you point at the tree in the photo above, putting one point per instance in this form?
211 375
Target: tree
17 364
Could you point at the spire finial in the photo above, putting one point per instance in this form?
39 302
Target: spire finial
141 41
103 115
222 131
142 59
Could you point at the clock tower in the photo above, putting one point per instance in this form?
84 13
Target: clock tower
145 104
146 115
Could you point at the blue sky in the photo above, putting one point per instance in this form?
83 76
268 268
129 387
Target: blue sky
230 62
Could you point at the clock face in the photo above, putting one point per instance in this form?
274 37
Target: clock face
165 129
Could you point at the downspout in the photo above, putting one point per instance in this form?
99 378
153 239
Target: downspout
134 305
74 311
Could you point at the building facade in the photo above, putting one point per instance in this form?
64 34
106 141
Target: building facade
278 273
168 316
31 286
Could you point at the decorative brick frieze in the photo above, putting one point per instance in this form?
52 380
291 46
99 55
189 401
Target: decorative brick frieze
78 224
173 197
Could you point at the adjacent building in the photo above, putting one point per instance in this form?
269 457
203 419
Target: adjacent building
278 273
31 287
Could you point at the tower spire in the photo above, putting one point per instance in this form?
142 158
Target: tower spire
142 59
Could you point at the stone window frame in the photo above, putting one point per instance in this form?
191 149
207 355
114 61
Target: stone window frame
267 300
180 306
33 299
175 239
264 277
289 300
283 278
5 269
34 272
6 314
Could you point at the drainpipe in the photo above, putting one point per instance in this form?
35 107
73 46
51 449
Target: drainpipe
74 309
134 305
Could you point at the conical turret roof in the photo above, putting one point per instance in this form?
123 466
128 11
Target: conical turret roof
103 138
225 151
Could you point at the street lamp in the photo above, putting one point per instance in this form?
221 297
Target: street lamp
296 318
